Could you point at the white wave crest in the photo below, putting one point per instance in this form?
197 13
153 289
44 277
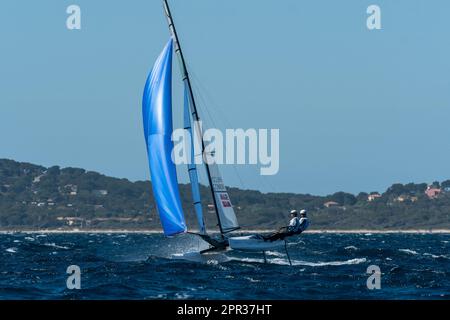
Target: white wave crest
54 245
252 280
182 296
280 261
210 258
330 263
408 251
248 260
436 256
275 253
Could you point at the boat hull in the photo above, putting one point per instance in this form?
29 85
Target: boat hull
254 244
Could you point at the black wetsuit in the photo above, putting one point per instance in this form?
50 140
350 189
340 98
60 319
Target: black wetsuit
288 231
280 235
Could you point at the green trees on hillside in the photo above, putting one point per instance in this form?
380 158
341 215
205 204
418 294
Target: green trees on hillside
37 197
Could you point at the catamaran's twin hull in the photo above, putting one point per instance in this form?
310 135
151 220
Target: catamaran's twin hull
252 244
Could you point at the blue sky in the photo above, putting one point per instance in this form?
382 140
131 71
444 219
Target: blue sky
357 110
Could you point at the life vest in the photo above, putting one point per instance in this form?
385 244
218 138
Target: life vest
303 224
296 227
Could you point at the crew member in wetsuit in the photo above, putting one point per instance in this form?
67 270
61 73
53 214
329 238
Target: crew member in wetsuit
296 226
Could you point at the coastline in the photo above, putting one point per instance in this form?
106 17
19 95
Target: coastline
317 231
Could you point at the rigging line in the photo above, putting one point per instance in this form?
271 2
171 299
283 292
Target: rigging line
208 100
198 96
268 185
242 185
206 120
211 100
202 106
202 88
204 102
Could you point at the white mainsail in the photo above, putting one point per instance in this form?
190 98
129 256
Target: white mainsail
227 217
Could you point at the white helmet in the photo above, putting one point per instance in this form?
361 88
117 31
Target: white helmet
303 212
294 212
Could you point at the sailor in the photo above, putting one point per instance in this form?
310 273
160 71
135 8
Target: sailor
303 221
296 226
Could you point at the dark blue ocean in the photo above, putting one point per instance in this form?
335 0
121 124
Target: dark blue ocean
141 266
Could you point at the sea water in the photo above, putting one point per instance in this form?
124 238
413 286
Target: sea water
142 266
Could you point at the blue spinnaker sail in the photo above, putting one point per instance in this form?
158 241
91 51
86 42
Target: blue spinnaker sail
192 168
157 117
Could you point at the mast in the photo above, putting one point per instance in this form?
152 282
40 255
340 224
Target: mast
186 78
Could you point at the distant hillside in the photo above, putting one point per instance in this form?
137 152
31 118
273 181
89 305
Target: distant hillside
33 197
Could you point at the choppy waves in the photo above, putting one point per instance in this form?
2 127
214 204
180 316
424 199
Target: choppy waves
143 266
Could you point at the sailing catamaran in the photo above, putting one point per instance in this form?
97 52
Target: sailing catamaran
158 128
